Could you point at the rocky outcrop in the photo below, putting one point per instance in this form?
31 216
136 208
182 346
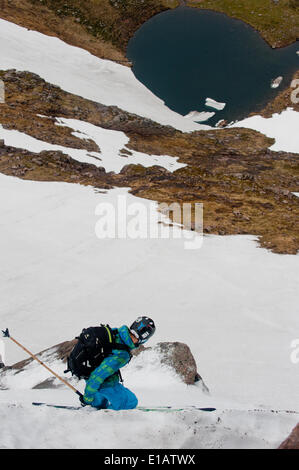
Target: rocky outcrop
178 357
291 442
175 355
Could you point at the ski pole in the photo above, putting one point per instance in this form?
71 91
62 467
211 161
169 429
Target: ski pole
6 334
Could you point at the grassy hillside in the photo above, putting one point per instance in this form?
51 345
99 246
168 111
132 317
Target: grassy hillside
277 21
111 20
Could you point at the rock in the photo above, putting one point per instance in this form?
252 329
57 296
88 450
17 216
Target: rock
291 442
126 152
51 382
222 123
179 357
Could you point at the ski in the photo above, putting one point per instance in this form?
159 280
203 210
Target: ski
63 407
140 408
170 408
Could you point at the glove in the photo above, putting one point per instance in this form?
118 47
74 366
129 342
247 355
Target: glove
81 398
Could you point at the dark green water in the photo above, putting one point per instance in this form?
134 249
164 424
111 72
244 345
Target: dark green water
186 55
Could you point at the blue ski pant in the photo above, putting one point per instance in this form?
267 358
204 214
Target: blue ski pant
116 397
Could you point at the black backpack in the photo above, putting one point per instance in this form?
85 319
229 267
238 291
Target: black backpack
94 345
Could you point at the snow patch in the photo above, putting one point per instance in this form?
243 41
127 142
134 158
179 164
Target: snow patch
275 83
282 127
199 116
110 143
215 104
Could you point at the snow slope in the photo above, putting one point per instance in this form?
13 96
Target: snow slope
28 427
77 71
229 426
234 304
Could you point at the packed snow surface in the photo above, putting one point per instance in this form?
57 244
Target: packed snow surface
230 426
282 127
77 71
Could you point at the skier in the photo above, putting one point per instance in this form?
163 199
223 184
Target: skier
103 389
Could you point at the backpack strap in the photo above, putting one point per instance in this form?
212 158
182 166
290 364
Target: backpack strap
115 345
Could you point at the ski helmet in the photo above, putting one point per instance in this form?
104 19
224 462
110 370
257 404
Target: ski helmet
143 328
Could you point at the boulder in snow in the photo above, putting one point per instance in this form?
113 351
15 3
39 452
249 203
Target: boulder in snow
179 357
